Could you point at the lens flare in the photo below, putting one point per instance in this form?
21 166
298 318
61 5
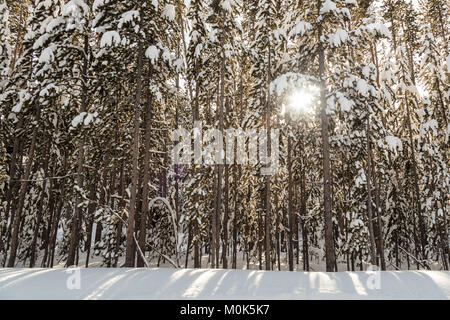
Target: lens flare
302 100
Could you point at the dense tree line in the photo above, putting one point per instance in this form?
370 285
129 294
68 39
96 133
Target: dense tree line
92 91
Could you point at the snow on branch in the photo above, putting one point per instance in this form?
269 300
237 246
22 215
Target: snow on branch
289 81
109 38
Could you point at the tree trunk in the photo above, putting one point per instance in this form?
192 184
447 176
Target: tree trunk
12 185
225 218
91 210
23 190
290 199
130 246
303 199
146 179
329 243
74 237
39 210
268 205
369 194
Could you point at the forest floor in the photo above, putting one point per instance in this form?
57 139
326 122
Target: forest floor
168 283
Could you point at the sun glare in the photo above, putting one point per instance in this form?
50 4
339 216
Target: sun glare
302 100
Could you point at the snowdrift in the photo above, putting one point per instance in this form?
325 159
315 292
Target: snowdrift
164 283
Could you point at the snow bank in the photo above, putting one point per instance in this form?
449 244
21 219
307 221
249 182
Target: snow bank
164 283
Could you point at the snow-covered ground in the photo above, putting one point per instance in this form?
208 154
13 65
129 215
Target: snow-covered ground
166 283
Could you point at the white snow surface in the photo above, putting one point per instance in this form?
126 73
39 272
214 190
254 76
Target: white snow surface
109 38
47 55
165 283
226 5
169 12
152 53
394 143
301 27
448 63
338 38
328 6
